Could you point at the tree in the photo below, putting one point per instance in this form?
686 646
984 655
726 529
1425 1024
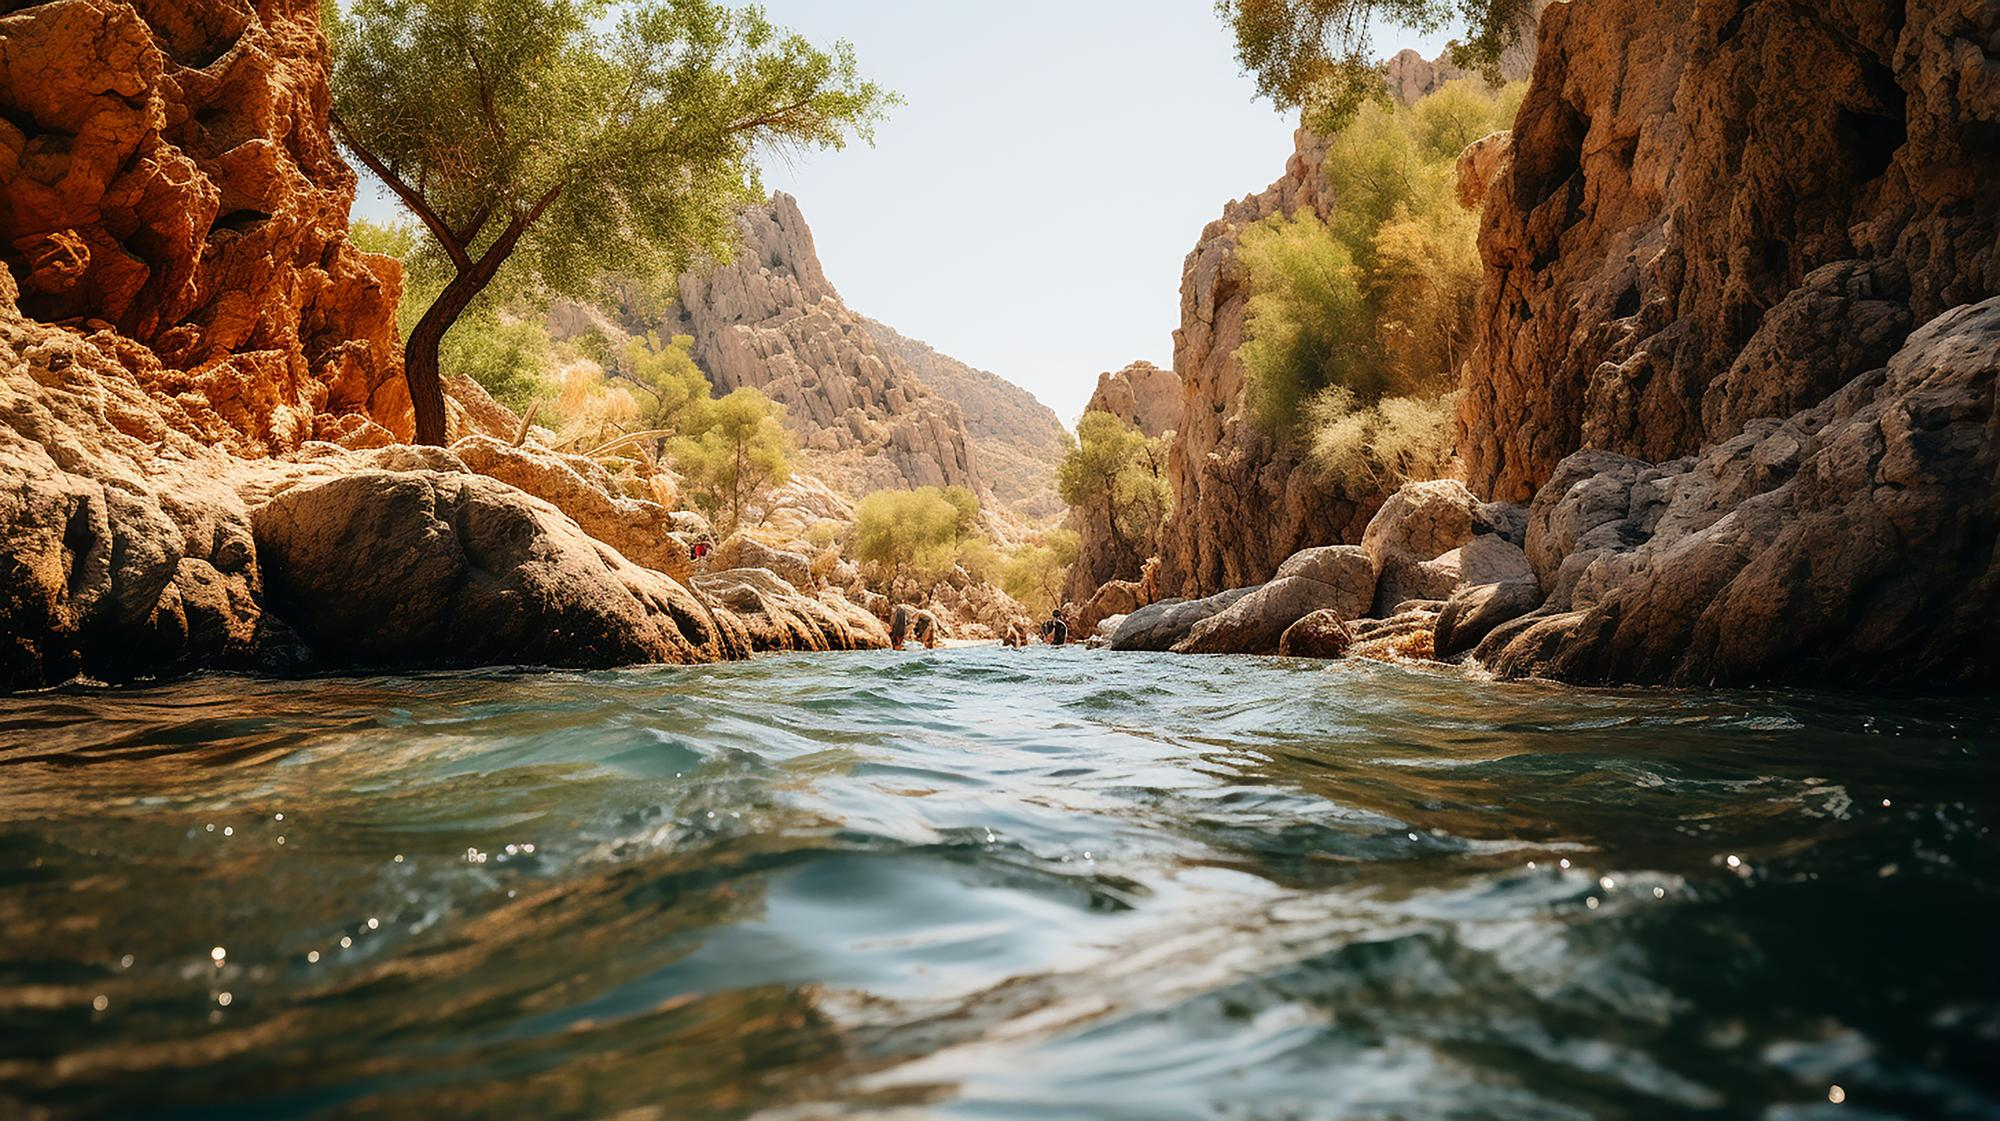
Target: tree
667 374
1118 474
739 451
1316 55
542 138
1035 573
907 532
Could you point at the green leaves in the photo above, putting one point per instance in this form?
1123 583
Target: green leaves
1119 474
734 450
917 532
1378 300
1316 55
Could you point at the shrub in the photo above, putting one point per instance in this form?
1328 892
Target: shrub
1377 301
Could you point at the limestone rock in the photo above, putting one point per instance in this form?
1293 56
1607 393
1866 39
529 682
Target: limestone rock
777 616
420 568
1322 634
1158 626
1142 395
1113 598
166 173
1017 440
1421 521
1346 568
1255 623
770 319
1851 543
1715 212
1474 611
741 551
643 531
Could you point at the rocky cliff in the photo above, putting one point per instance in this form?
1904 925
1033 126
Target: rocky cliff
1739 343
169 184
1142 395
1017 440
199 398
1242 502
1719 210
770 319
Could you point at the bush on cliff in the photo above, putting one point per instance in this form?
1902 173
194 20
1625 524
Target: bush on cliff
1357 324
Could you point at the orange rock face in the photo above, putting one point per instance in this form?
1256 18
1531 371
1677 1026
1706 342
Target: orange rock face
1717 211
167 179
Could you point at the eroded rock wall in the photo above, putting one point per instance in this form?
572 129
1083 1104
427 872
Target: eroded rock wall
770 319
1721 210
1017 440
1242 501
167 180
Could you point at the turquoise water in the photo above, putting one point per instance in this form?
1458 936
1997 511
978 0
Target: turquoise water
990 884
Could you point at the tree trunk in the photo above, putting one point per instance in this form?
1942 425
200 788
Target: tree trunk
420 355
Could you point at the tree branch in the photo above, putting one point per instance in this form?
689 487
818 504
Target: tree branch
409 196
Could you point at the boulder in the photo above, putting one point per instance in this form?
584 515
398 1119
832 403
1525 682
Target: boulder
1158 626
1346 567
381 568
640 529
1420 522
1322 634
1255 623
1852 543
1473 612
741 551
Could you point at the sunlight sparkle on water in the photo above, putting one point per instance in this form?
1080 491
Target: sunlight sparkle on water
217 955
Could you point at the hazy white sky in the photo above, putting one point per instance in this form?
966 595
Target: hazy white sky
1028 210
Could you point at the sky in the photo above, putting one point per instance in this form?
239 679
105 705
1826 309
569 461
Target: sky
1027 211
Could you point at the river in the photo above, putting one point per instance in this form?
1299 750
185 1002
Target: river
981 883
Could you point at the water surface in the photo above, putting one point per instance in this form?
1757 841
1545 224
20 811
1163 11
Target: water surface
994 884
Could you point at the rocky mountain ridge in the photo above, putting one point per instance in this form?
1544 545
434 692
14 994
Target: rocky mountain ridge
1018 440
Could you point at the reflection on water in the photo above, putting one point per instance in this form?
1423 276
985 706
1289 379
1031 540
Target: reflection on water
983 883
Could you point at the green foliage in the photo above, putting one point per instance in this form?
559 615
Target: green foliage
543 143
1316 55
1375 448
900 533
675 390
1034 574
739 451
1119 474
1378 300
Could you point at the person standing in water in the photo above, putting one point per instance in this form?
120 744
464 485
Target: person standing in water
1056 631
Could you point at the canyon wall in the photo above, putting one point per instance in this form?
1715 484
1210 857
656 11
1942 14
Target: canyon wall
1720 210
167 183
770 319
1243 502
1740 342
1017 440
